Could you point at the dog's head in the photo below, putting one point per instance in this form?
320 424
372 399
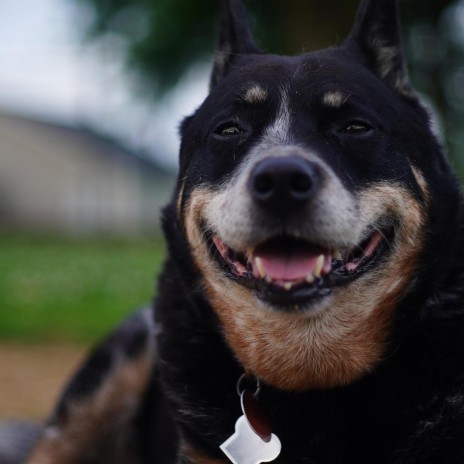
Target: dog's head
305 195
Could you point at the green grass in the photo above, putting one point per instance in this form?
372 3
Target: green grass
72 290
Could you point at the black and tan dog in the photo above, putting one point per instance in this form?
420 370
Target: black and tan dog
315 245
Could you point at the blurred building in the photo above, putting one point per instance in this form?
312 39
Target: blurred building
70 180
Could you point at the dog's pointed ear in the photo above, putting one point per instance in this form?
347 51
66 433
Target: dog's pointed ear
235 38
377 33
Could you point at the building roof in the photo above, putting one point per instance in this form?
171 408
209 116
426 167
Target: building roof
102 145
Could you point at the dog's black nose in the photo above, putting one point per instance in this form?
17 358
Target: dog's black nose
283 184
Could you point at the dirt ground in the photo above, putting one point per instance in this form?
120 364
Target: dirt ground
32 376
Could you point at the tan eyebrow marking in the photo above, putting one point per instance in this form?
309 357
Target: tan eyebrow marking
334 99
255 94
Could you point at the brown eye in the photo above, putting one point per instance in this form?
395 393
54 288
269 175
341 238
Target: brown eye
228 129
233 130
356 128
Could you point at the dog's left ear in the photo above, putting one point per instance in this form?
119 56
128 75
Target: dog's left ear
377 34
235 39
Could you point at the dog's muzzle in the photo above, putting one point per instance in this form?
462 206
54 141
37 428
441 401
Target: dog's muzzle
287 227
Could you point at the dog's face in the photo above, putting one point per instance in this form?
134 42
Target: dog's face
303 199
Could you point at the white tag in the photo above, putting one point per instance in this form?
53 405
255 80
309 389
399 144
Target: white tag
246 447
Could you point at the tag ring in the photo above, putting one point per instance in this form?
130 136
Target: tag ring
243 382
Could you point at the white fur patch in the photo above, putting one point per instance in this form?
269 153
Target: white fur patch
278 133
335 218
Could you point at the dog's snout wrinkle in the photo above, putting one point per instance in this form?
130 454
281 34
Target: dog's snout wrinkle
284 184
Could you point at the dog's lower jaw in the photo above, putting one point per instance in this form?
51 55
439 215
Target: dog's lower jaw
306 352
343 337
302 350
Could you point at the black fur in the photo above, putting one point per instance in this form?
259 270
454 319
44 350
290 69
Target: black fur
409 407
235 39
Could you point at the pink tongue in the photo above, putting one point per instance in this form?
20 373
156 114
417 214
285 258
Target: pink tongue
286 263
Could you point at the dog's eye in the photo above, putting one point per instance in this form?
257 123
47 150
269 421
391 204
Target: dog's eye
356 128
229 129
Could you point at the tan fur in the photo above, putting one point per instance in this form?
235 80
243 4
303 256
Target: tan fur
421 182
334 99
255 94
344 338
387 55
100 422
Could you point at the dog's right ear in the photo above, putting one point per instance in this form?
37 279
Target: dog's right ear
235 39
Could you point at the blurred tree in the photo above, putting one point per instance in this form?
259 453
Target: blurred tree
164 37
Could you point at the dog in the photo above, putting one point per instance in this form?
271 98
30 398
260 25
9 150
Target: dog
311 308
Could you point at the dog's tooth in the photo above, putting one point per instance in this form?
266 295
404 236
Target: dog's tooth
268 279
319 265
327 265
249 254
260 267
310 278
337 255
288 285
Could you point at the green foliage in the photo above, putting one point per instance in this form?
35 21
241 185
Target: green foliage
163 36
74 290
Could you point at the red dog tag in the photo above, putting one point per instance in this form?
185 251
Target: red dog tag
255 415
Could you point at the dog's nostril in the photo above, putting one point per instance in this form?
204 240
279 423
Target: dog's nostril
263 184
301 183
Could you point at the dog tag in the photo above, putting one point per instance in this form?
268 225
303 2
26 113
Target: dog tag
253 442
247 447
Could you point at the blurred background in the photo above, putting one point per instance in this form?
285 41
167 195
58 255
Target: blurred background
91 93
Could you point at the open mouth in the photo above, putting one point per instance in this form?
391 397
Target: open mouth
288 271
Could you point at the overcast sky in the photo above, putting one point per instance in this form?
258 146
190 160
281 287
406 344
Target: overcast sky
46 70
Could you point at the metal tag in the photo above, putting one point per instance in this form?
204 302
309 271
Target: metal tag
247 447
253 441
